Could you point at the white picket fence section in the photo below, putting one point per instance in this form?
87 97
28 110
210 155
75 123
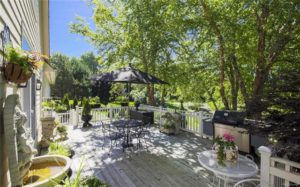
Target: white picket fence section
63 118
278 172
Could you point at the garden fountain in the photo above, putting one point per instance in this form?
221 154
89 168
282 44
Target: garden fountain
23 168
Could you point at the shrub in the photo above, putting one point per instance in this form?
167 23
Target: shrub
96 105
60 108
65 101
61 128
95 99
92 181
49 104
56 148
86 107
75 102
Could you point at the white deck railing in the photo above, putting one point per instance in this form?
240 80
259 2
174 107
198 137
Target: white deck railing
278 172
63 118
191 121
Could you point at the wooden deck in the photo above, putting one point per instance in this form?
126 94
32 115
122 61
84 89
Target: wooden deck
168 161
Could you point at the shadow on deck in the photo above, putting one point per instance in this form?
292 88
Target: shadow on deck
168 160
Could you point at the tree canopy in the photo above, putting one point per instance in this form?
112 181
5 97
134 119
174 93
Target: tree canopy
226 53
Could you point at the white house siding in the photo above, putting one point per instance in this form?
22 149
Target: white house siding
34 15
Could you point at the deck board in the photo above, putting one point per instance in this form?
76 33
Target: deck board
168 161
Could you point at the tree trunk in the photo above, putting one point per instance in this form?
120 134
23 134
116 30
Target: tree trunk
255 106
221 50
150 91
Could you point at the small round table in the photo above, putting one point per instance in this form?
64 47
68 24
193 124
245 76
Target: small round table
243 168
127 124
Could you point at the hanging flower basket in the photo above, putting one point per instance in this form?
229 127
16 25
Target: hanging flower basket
21 64
14 73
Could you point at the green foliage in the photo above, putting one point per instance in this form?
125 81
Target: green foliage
76 181
18 56
200 47
65 100
61 128
56 148
60 108
92 181
73 74
94 100
75 102
86 107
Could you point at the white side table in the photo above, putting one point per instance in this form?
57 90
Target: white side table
244 168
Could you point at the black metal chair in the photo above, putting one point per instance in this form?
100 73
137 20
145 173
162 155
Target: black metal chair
144 133
113 134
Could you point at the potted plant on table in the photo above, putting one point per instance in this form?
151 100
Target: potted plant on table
21 65
225 149
86 113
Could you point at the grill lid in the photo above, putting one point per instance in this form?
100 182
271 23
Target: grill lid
229 117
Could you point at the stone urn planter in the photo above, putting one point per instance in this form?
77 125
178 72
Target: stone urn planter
48 125
86 119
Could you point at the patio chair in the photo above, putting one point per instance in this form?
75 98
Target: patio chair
144 132
113 134
232 180
253 182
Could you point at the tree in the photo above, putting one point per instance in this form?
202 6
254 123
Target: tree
273 30
73 74
139 32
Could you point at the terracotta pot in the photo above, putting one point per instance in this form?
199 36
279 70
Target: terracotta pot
14 73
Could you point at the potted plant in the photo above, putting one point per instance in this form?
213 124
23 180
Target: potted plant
86 113
170 123
137 104
225 149
21 65
62 131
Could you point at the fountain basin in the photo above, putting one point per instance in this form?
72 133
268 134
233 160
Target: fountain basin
47 170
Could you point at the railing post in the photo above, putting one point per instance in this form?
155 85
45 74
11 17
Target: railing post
72 116
110 113
201 123
76 117
265 154
160 113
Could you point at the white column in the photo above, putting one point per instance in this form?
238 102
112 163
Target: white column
110 113
265 154
73 117
160 113
76 116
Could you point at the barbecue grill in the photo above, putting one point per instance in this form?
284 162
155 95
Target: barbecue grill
232 122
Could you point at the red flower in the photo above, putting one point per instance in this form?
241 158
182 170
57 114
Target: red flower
228 137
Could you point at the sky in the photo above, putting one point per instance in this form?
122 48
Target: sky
62 12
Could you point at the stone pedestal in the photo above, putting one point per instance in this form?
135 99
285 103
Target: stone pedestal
48 126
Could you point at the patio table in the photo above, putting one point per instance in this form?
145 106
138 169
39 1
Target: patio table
243 168
127 125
